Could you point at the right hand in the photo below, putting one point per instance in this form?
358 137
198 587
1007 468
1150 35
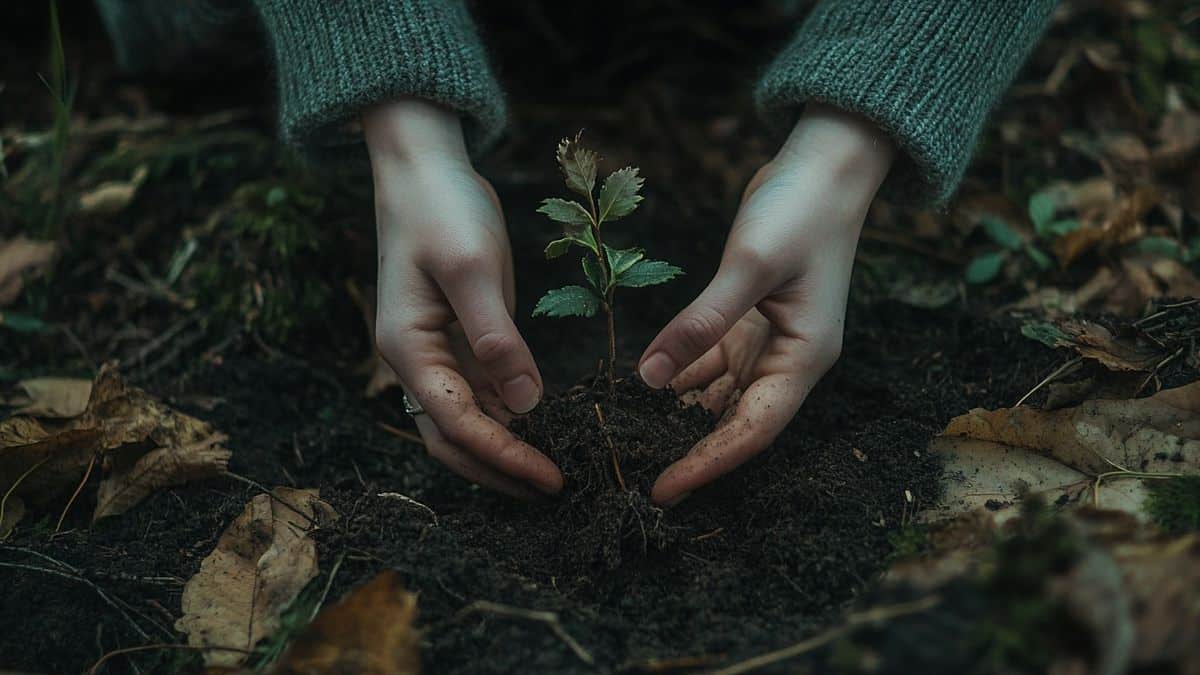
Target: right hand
446 296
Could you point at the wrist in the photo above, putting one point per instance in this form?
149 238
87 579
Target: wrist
851 148
411 132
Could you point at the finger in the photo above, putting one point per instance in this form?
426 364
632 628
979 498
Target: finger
716 395
762 412
478 302
425 366
463 464
702 372
702 324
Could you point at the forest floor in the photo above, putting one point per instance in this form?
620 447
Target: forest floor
938 504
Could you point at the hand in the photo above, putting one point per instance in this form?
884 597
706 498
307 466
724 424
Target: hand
446 298
769 325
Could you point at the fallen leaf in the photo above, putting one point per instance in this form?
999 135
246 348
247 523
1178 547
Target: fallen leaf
995 458
1093 341
123 488
1122 226
261 561
370 631
57 397
110 198
21 259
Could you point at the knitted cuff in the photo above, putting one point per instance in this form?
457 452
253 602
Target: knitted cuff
926 71
335 57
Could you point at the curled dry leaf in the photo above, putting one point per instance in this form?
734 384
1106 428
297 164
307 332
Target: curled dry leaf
995 458
369 631
20 259
142 445
1093 341
1123 225
56 397
262 560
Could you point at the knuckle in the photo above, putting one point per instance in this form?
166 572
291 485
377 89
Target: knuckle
462 262
754 256
702 327
494 346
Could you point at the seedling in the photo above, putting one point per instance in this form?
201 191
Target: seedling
605 268
1041 211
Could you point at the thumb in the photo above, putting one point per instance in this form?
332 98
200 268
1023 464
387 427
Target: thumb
700 326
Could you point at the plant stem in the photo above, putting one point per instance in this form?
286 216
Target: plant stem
608 294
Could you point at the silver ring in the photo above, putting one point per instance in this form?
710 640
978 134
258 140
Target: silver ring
411 407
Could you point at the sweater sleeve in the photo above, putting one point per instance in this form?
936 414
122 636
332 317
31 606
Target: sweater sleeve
335 57
927 71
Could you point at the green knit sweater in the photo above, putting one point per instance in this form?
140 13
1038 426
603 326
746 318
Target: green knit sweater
926 71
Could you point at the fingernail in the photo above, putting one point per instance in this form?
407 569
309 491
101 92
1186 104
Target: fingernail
521 394
657 370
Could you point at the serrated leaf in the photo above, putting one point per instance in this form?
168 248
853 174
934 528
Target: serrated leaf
985 268
648 273
999 231
619 194
1041 210
578 165
558 247
594 274
568 301
621 259
1039 257
565 211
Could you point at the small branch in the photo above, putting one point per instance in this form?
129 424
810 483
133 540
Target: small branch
853 621
611 448
1157 368
75 577
272 495
409 500
401 433
70 502
13 488
549 618
1050 378
162 645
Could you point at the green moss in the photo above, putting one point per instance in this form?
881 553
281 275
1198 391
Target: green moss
909 541
1174 504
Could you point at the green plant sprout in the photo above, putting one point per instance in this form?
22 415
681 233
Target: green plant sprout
605 268
1041 210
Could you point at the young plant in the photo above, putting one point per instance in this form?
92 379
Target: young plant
605 268
1041 210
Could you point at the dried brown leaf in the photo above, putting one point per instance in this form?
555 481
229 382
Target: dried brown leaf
54 397
110 198
370 631
21 259
123 488
1122 226
262 560
994 458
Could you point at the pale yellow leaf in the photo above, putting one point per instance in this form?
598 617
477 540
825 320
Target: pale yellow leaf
20 259
55 397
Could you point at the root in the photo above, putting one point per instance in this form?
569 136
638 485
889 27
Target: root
549 618
611 448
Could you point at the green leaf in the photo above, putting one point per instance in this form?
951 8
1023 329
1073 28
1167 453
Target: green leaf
648 273
558 247
1039 257
1041 210
985 268
578 165
595 274
1044 332
1161 246
619 194
621 259
1061 227
23 323
567 212
568 301
999 231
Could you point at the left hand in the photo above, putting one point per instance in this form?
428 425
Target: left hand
769 325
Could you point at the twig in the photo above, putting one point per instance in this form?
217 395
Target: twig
75 577
1165 310
162 645
409 500
406 435
853 621
272 495
1050 378
1157 368
549 618
611 448
13 488
71 502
